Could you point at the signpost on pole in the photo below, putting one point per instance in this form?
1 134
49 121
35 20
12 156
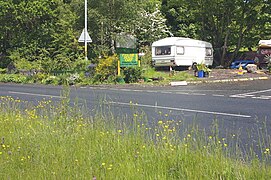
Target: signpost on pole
127 50
86 29
84 37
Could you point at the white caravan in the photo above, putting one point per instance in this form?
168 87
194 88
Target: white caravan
179 51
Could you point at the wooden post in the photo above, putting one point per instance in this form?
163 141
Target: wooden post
119 67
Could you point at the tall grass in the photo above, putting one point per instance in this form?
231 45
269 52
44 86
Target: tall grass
57 141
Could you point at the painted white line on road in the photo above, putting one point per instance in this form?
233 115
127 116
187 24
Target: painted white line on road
261 97
183 93
137 90
152 91
124 89
198 94
218 95
248 95
32 94
181 109
251 93
166 92
237 96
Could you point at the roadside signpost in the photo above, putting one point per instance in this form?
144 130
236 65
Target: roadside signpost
127 50
84 37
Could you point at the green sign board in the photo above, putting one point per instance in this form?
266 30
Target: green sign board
127 60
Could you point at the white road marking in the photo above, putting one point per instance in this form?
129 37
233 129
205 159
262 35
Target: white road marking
248 95
32 94
218 95
193 93
237 96
198 94
125 90
152 91
252 93
136 90
261 97
183 93
181 109
266 96
166 92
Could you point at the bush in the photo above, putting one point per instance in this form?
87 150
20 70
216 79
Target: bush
3 70
106 67
39 77
132 74
15 78
146 59
74 78
50 80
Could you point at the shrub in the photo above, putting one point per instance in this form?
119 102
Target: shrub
105 68
16 78
132 74
74 78
39 77
119 79
146 59
3 70
50 80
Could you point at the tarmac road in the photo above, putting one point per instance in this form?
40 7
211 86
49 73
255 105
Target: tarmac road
241 108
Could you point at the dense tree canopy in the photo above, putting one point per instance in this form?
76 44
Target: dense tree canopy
45 33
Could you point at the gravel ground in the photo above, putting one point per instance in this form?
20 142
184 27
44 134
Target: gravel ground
222 74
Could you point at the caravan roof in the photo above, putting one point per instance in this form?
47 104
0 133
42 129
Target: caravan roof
265 43
171 41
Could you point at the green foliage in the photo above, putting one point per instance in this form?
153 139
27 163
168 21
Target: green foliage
3 70
50 80
23 64
152 26
165 77
106 68
58 79
146 60
4 61
230 24
202 67
132 74
43 34
14 78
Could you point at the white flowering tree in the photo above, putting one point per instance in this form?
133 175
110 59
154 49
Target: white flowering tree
151 26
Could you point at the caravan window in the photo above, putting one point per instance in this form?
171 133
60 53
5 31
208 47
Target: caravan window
163 50
209 52
180 50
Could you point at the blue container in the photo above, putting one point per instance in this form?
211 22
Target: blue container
201 74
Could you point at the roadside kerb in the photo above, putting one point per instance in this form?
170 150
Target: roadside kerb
228 80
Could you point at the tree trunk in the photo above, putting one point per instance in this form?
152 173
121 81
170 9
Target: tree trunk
224 50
